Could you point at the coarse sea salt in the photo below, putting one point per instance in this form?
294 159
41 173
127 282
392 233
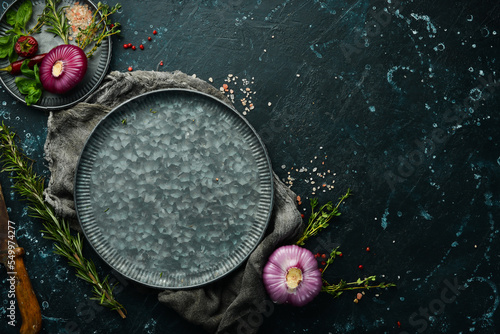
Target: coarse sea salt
79 17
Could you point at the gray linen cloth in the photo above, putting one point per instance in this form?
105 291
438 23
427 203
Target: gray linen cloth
235 304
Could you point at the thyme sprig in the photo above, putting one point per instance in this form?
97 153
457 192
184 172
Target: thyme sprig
99 28
31 186
37 28
337 289
335 252
319 220
54 17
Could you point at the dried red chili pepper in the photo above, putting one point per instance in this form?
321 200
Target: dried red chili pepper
15 67
26 46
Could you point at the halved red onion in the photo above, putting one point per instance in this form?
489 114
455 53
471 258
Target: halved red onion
292 276
63 68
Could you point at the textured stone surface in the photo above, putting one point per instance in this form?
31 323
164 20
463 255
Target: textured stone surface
398 99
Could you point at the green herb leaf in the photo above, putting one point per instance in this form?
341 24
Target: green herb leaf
33 96
24 14
6 45
5 40
12 53
36 69
25 70
29 85
10 17
24 84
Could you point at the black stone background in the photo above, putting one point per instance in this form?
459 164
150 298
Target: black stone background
398 99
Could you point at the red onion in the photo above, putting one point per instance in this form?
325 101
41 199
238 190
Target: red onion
292 276
63 68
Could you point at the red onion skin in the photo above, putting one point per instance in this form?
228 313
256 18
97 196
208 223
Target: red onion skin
74 68
274 275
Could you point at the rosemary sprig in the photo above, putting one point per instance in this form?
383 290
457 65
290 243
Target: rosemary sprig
99 28
337 289
318 220
31 186
55 18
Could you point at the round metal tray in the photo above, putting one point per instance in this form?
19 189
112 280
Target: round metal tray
174 189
